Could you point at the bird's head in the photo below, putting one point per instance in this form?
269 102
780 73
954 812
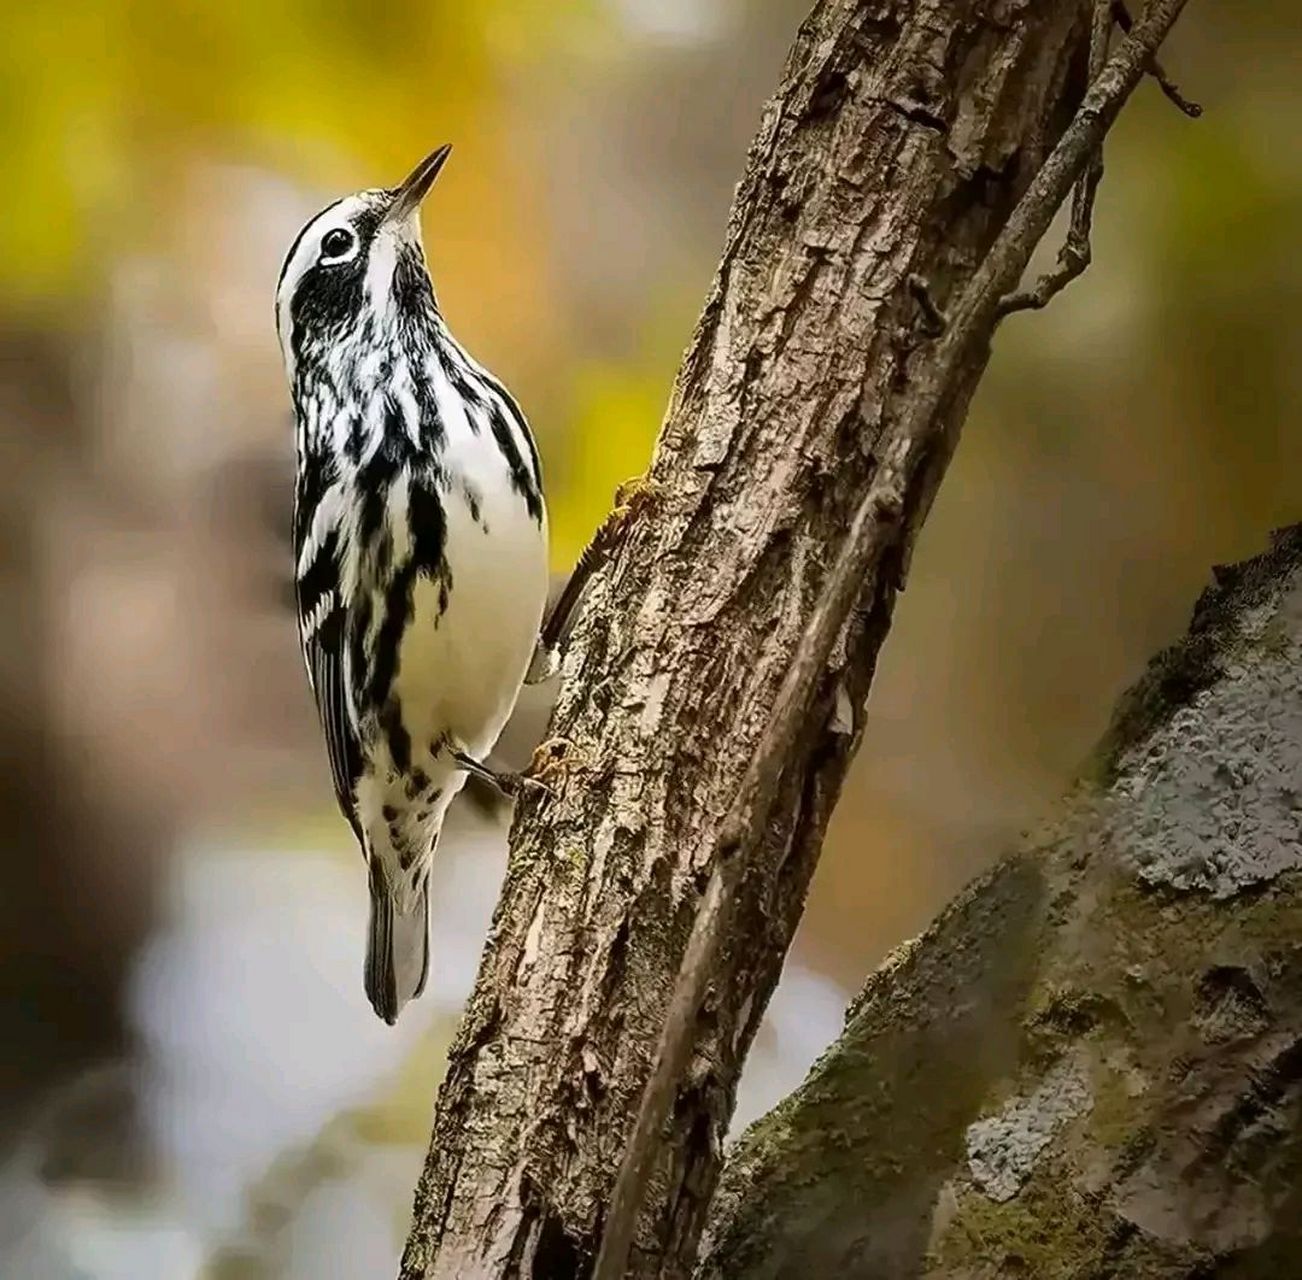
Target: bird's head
356 271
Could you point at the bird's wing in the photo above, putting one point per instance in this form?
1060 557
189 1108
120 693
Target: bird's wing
324 651
323 628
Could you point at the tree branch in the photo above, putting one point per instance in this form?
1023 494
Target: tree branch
1154 68
877 166
1074 256
873 532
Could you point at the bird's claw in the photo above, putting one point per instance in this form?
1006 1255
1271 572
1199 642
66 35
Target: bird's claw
632 499
538 785
552 761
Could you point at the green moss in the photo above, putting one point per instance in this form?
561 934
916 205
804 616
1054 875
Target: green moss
1274 922
1119 1114
1062 1014
1159 940
1050 1232
886 1108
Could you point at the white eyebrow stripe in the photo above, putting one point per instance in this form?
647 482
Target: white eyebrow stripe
298 240
302 256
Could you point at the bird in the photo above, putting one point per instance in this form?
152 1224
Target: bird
420 546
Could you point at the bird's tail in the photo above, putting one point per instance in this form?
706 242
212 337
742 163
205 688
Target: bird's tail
397 949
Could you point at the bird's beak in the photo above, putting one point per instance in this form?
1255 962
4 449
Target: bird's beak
416 185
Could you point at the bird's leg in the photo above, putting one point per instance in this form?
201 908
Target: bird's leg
632 498
508 783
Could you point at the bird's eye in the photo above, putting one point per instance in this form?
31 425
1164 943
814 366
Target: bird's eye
336 243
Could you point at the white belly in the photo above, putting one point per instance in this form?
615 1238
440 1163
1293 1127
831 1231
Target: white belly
460 671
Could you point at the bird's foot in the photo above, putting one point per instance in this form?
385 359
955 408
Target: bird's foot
552 761
510 784
633 498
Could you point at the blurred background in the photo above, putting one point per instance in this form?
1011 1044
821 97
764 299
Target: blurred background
191 1084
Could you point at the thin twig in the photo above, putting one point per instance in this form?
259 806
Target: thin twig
874 529
1076 252
1168 86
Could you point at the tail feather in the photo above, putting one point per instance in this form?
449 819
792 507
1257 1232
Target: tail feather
397 951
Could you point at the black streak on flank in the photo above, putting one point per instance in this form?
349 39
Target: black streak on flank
397 613
316 474
428 535
359 627
472 505
395 733
396 444
374 482
356 438
513 408
521 479
466 387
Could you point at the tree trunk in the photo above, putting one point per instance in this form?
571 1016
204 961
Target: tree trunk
1091 1065
900 138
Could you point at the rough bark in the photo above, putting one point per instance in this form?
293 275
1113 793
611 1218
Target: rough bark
900 138
1091 1065
888 511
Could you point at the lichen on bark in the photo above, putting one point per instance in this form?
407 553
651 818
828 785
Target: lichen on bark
1091 1065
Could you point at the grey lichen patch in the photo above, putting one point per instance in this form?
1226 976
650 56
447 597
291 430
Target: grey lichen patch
1003 1150
1205 766
1121 1090
1212 802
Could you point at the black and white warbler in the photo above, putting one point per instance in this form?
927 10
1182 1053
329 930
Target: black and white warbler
421 543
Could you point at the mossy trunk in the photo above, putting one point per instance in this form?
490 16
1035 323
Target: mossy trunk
1091 1065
